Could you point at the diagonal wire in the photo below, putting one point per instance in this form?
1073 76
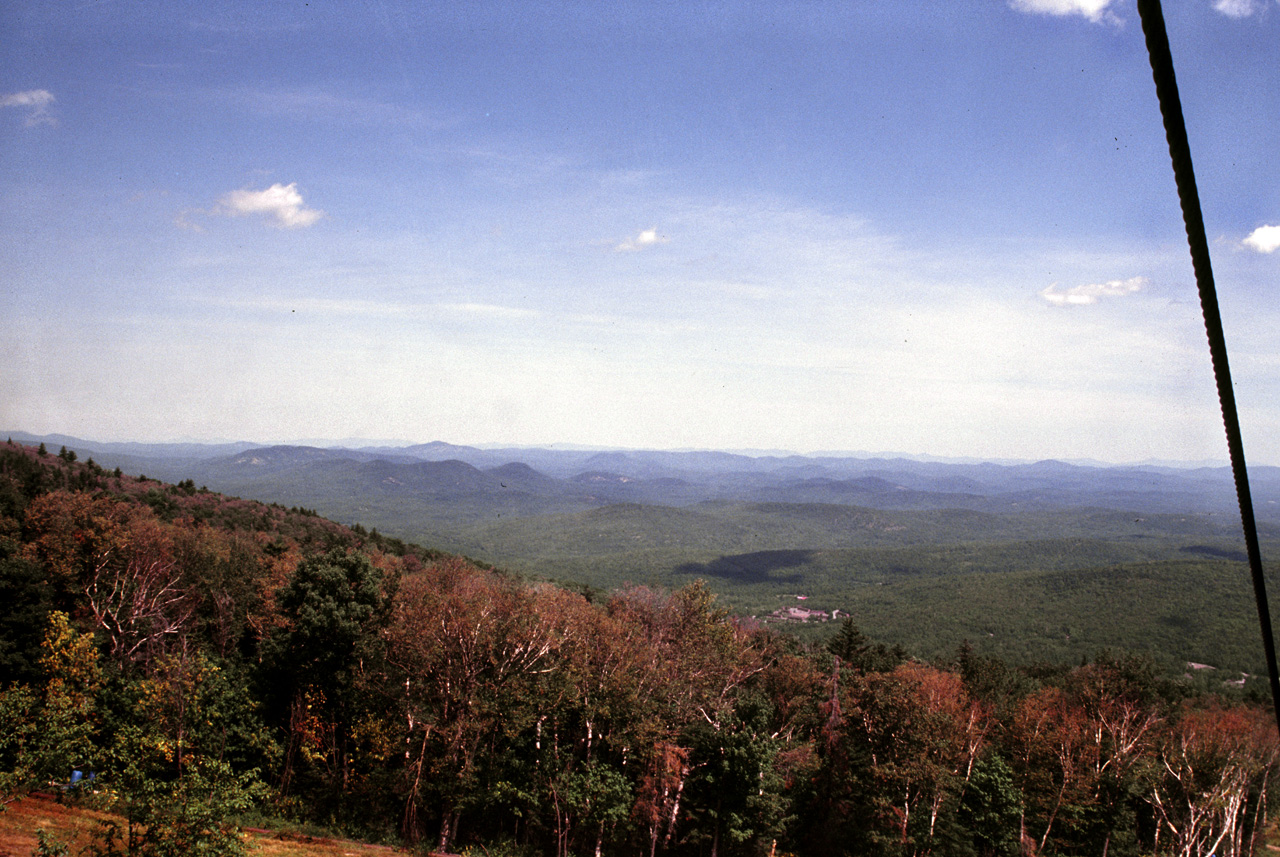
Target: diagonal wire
1180 152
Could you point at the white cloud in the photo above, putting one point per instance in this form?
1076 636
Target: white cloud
281 202
1089 294
1264 239
1238 8
36 101
1094 10
647 238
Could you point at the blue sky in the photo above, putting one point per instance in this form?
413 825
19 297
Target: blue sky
945 229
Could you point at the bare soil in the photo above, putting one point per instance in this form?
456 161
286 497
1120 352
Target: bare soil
75 825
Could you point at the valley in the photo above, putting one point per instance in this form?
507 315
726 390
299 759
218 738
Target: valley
1047 561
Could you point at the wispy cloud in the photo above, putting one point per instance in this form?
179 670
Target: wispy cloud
1094 10
183 220
280 203
36 102
493 311
312 104
1264 239
1238 8
1089 294
642 241
236 24
379 308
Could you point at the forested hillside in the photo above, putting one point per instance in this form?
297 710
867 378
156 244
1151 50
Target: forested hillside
1027 561
207 660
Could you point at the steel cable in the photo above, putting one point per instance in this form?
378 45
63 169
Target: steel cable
1153 28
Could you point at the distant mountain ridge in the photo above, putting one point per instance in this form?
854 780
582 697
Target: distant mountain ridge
533 481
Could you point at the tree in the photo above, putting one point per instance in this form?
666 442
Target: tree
660 790
224 575
72 533
736 792
1118 697
856 651
44 736
991 808
334 608
136 592
592 709
116 561
155 817
471 648
180 760
1055 760
1217 765
197 709
28 600
920 735
592 796
697 658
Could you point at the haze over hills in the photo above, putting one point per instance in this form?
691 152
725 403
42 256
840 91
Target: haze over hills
537 507
542 480
1033 560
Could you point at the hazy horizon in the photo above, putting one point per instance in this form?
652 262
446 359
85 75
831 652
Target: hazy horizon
357 443
709 225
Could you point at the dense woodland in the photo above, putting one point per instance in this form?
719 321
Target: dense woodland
214 661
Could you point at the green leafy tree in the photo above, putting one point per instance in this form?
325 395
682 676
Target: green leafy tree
317 663
173 818
737 802
43 736
179 764
333 607
856 651
198 708
991 808
23 753
593 797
